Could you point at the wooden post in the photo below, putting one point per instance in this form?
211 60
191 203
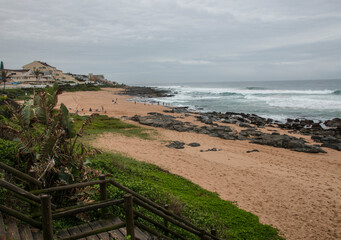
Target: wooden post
128 204
165 221
103 190
203 235
214 232
46 217
32 187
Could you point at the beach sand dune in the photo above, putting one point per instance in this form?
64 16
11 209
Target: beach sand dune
298 193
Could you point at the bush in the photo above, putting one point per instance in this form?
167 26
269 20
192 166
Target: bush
8 152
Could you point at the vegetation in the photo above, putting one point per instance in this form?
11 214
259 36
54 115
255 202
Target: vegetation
79 87
26 93
37 74
102 123
47 139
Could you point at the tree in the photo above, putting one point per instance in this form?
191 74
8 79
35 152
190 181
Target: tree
37 73
5 76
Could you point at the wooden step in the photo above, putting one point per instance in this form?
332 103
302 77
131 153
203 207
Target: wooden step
19 231
119 234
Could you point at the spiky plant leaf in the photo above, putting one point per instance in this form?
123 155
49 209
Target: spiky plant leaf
67 121
28 112
48 145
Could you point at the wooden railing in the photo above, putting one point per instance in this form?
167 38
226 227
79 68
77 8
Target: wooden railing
50 212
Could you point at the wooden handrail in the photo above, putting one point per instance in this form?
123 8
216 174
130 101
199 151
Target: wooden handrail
161 209
169 215
164 228
19 174
139 199
152 231
87 208
161 214
21 192
69 186
20 216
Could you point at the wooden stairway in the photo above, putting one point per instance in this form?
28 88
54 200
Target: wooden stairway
10 229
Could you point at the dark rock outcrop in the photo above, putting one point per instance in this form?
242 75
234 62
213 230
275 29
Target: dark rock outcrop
285 141
335 122
176 145
194 144
147 92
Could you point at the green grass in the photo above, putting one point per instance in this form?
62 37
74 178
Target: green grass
80 87
201 207
102 123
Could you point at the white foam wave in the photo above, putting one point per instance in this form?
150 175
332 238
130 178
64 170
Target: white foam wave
189 90
297 102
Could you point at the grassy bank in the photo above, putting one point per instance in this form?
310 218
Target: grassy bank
199 206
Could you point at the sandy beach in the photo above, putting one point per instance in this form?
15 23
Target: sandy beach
298 193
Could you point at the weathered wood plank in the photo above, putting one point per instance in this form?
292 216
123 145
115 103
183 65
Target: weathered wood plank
75 230
85 228
102 236
25 232
2 226
63 233
12 230
139 234
115 234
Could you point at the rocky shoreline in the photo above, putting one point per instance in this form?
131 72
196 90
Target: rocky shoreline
326 134
146 92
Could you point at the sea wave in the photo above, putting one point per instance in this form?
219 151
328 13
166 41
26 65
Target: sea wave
337 92
247 91
255 88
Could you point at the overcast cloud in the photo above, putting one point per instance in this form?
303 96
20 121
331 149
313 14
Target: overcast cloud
174 41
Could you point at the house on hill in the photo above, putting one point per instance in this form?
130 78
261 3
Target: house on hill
26 76
48 70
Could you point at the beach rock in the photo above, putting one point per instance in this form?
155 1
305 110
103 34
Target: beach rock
335 122
254 150
250 132
177 110
147 92
245 125
210 150
176 145
194 144
288 142
328 141
205 119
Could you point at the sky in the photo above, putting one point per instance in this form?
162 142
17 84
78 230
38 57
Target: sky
155 42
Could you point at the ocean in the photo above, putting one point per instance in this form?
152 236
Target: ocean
279 100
